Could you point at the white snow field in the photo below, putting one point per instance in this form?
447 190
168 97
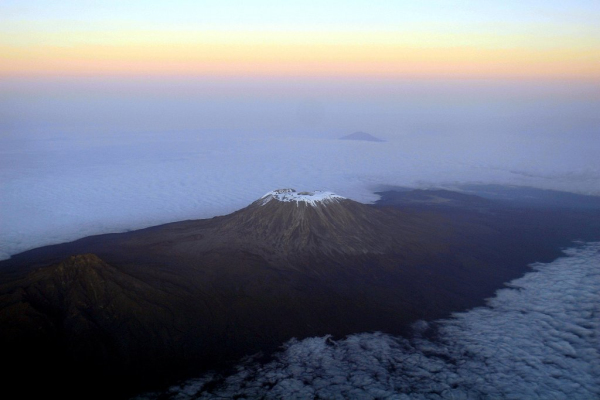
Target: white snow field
536 339
316 198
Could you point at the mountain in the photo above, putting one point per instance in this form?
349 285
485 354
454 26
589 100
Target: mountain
361 136
320 223
137 310
84 323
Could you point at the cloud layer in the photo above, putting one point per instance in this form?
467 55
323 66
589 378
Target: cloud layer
536 339
83 157
62 190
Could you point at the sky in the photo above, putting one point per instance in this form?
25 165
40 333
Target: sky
435 39
118 115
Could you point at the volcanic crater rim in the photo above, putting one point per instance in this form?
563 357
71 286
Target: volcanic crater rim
312 198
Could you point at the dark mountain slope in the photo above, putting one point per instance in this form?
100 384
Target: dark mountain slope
143 308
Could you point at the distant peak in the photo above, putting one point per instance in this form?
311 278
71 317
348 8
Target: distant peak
311 198
362 136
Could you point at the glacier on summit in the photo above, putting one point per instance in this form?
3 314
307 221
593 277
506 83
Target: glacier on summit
311 198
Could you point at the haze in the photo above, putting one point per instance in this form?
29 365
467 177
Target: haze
92 155
116 116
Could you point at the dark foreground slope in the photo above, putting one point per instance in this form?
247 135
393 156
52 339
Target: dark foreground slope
134 311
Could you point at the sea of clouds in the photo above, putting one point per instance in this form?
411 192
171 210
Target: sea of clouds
83 157
536 339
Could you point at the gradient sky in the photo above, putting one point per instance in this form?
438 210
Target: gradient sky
441 39
114 114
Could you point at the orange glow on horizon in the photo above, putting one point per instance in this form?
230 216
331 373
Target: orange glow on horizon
259 58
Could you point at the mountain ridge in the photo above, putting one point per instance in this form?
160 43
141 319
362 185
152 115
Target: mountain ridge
143 307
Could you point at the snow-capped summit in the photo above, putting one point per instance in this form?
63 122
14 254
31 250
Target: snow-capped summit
318 222
311 198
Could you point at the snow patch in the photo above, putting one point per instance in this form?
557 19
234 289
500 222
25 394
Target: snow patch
312 198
